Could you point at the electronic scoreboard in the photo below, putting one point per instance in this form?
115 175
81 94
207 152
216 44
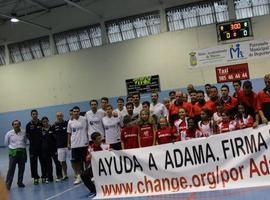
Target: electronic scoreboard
234 30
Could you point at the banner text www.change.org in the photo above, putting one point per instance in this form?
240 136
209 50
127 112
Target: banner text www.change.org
234 160
194 155
209 179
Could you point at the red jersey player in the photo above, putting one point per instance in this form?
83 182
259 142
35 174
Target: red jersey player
87 174
206 124
164 133
263 102
180 125
217 115
243 120
129 134
147 132
192 131
178 104
226 125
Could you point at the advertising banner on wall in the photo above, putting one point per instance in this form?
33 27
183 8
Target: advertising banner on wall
226 161
232 73
145 84
229 53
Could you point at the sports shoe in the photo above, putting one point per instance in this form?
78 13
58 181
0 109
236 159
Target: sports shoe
47 181
58 180
36 181
43 180
78 180
65 178
92 195
21 185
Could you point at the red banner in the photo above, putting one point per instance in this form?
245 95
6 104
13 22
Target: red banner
232 73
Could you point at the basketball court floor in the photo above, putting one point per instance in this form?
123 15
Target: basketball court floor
67 191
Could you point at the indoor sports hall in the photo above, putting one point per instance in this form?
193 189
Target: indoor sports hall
125 99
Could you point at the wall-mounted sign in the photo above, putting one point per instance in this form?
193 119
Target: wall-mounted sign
234 29
230 53
145 84
232 73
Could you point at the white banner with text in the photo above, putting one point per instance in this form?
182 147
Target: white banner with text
230 53
233 160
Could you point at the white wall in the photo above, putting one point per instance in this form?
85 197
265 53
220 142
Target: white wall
102 71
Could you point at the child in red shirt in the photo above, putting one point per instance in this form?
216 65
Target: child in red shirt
180 125
87 174
192 131
226 125
129 134
164 133
147 132
243 120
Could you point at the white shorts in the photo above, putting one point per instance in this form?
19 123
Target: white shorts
63 154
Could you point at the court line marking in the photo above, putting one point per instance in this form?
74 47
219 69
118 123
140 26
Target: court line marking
59 194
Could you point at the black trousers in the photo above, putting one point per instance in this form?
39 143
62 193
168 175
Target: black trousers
13 161
116 146
34 157
48 168
86 177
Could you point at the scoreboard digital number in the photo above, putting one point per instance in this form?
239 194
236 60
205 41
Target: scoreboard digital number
234 30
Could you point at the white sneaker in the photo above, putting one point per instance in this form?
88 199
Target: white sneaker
92 195
78 180
58 180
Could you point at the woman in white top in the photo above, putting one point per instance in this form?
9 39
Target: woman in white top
112 126
206 124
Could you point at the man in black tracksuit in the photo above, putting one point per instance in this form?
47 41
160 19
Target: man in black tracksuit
34 133
61 137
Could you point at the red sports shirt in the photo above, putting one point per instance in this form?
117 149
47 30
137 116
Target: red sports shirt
164 135
226 126
230 104
174 111
129 136
244 122
190 134
211 105
249 101
197 108
146 135
180 126
263 103
93 147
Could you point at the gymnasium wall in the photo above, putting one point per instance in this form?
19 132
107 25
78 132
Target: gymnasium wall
56 82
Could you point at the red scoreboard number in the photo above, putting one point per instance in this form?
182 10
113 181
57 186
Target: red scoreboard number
236 26
234 30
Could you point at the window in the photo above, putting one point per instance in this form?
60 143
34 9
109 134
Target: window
193 15
251 8
2 55
133 27
29 50
75 40
221 10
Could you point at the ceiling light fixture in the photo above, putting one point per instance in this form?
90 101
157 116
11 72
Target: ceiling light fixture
14 20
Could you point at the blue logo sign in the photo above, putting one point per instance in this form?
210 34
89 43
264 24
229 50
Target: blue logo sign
235 51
